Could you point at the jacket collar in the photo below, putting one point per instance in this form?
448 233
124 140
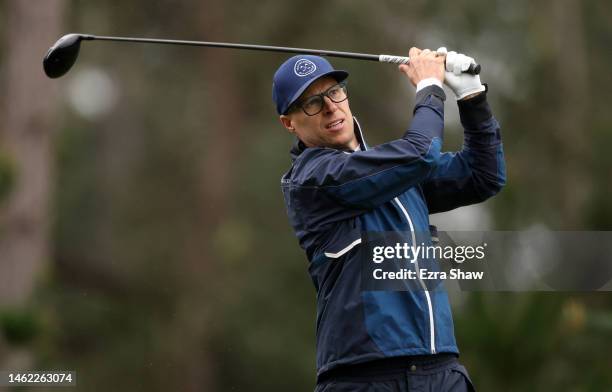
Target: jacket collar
299 147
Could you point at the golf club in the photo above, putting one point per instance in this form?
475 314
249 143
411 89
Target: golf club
63 54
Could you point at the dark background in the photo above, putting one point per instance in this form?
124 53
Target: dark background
143 235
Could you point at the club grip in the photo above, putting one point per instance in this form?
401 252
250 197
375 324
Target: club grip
474 68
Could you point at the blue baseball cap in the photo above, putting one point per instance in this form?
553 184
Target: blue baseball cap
296 74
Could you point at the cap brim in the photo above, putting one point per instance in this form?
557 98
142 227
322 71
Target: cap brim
339 75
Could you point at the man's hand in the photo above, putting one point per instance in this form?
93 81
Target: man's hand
464 85
423 64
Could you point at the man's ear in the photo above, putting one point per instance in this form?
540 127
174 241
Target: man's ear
287 123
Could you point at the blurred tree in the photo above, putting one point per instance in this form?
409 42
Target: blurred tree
26 133
564 51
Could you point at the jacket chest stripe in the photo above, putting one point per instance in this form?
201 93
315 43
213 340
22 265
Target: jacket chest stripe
432 333
343 251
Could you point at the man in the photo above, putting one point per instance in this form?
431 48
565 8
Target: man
338 189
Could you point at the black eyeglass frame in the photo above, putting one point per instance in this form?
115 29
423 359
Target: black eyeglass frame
299 104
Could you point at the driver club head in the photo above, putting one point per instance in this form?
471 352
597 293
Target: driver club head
62 55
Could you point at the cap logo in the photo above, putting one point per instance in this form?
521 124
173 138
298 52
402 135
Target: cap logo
304 67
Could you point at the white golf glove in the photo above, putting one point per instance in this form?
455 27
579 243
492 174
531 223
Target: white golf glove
462 84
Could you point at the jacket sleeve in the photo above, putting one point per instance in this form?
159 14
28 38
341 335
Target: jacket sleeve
475 173
365 179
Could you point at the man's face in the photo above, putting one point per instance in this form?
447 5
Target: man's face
332 127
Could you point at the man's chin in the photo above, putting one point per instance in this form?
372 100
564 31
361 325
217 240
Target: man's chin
341 145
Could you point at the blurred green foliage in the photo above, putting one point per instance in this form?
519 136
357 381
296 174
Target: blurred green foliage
7 175
19 326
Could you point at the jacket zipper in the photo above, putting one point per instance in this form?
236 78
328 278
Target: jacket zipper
432 333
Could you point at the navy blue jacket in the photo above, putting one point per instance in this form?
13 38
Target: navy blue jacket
334 197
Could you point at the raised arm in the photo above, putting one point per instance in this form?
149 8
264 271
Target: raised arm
475 173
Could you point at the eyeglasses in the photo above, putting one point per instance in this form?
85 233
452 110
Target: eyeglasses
315 103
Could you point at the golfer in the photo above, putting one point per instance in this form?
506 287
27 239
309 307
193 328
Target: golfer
339 188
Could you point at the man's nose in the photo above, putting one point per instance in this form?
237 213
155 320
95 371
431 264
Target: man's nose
329 105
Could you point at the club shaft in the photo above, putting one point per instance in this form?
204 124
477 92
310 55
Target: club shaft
383 58
331 53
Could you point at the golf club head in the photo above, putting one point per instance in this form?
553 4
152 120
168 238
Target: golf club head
62 56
